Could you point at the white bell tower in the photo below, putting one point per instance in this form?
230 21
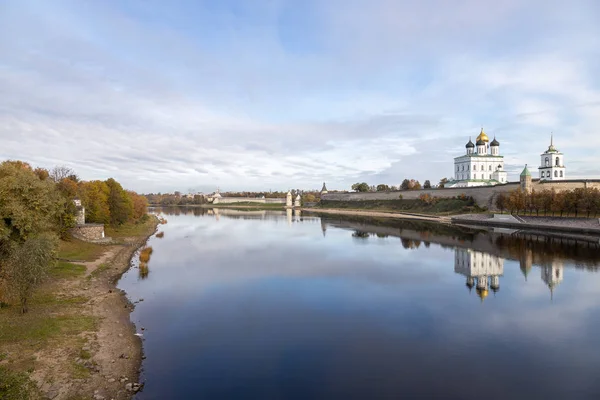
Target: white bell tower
552 166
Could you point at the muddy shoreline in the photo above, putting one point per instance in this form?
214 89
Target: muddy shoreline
110 355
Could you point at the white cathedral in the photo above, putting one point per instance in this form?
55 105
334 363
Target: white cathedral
482 165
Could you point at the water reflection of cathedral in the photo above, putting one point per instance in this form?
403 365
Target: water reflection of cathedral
483 270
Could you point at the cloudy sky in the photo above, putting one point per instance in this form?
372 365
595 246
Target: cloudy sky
278 94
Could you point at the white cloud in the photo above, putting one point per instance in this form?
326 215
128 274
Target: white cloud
162 99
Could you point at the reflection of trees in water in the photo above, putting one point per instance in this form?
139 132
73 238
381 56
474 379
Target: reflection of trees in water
143 271
528 248
410 243
360 234
543 250
196 211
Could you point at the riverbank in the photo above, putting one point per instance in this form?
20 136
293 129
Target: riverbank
528 223
531 223
258 206
380 214
77 340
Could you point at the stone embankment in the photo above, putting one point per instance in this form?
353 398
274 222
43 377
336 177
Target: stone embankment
556 224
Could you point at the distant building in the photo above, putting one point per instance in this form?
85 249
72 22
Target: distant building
525 180
552 166
324 189
482 165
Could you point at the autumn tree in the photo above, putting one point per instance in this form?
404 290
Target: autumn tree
442 183
31 211
41 173
501 202
139 206
94 197
382 187
28 265
414 185
119 203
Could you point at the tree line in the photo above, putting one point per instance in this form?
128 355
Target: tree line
37 209
577 202
407 184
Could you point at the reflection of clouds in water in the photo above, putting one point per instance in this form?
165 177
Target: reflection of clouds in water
261 299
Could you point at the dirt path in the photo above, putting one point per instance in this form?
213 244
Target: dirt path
422 217
102 363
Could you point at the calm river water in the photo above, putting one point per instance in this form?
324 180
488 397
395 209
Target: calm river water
264 305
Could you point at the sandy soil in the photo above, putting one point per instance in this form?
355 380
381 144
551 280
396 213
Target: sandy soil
115 352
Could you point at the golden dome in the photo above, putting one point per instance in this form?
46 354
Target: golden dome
482 293
483 136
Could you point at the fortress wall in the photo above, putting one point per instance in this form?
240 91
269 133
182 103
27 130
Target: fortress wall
223 200
484 196
566 184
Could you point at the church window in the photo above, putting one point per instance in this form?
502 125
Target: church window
556 174
490 168
474 176
543 174
557 162
462 168
499 167
457 168
547 162
475 167
561 174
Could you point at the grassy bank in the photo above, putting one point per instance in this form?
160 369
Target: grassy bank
438 207
49 350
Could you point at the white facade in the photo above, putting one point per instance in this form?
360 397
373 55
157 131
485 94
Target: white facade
481 269
482 165
552 164
552 274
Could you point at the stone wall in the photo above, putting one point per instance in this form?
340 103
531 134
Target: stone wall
484 196
88 232
227 200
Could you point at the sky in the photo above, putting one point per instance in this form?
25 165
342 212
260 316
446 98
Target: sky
279 94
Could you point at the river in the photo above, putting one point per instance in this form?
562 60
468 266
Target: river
264 305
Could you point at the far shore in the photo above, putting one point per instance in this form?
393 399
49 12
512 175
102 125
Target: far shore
574 225
556 224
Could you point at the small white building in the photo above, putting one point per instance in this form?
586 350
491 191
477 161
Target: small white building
482 165
552 166
552 275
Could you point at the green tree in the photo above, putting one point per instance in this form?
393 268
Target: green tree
405 185
361 187
32 211
29 264
382 188
119 203
427 184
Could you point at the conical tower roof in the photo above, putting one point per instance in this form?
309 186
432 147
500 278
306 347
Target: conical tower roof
525 171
